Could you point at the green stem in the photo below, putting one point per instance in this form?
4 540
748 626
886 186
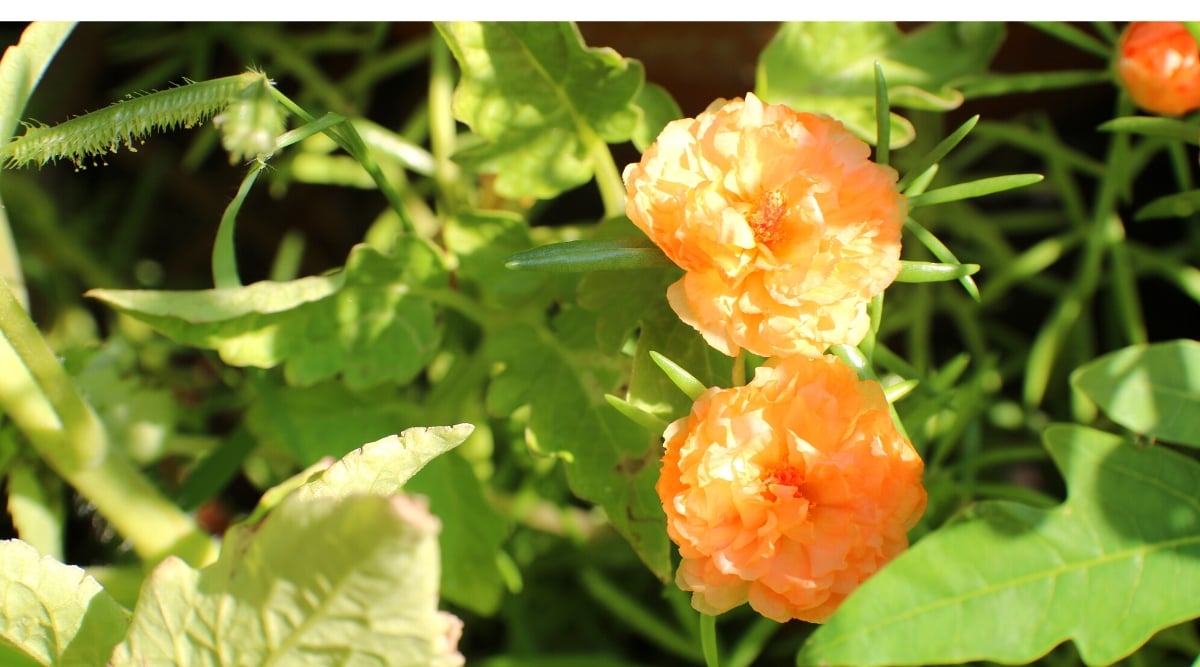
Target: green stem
37 395
608 178
224 256
636 616
708 640
739 369
442 131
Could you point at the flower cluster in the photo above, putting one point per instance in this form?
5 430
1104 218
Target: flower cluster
784 227
1159 64
790 491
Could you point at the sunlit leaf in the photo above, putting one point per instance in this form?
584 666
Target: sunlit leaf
54 614
540 99
368 323
1149 389
613 462
829 68
658 109
1010 582
350 580
483 241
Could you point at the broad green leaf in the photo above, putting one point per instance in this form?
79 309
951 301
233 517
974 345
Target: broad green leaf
1009 582
369 323
483 241
658 109
620 301
320 581
610 460
327 419
650 388
1178 205
541 101
54 614
382 467
830 68
1149 389
472 532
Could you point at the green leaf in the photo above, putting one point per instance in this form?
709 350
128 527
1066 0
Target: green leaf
598 255
22 66
1154 126
541 100
370 323
54 614
933 272
483 241
472 532
36 506
349 580
1178 205
1031 82
658 109
326 419
613 462
935 156
829 68
1149 389
1010 582
973 189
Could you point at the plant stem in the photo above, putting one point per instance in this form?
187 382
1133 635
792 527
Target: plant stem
37 395
708 640
608 178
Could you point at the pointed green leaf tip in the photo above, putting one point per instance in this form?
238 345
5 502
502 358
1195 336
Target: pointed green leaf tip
369 323
321 581
54 614
1103 569
1149 389
540 100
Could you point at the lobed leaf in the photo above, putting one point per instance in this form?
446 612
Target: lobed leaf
370 323
829 68
540 99
1010 582
613 462
1149 389
52 613
350 580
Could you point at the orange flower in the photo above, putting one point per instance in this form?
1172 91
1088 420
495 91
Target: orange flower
788 492
1160 67
784 227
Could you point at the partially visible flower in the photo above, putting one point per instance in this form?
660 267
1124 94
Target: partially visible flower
783 225
788 492
1159 65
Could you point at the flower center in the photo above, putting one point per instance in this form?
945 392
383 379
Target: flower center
766 218
783 475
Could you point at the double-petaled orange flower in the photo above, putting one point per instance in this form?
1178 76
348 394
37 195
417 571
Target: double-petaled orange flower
788 492
1159 64
784 227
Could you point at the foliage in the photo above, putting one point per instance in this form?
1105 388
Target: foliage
431 224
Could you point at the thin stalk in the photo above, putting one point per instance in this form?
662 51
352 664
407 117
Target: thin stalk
40 399
708 640
608 177
637 617
443 135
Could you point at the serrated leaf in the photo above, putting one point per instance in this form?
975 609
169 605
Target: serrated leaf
830 68
541 100
368 323
1149 389
52 613
320 581
1010 582
612 461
